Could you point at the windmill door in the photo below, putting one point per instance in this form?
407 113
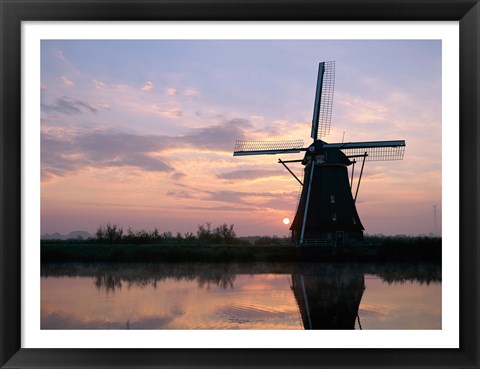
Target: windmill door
340 237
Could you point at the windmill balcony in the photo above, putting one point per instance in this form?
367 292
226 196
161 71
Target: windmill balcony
318 242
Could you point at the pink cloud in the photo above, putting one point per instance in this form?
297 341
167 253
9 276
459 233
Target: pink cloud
170 113
99 84
191 92
104 106
67 81
60 55
148 86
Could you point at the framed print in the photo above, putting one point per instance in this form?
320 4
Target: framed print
96 144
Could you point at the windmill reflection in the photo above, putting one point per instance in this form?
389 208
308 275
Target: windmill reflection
328 295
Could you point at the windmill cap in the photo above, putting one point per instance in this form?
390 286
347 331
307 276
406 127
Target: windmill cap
332 155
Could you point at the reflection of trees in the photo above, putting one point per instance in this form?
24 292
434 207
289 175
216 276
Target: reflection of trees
406 272
109 283
328 295
114 276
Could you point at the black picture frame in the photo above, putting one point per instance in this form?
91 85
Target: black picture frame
13 12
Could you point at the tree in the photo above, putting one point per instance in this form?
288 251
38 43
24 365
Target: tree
109 233
225 233
204 232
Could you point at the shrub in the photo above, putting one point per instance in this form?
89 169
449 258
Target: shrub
110 233
224 233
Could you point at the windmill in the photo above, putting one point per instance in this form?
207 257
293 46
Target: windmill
326 212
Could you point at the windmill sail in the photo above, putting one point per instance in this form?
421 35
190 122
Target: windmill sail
267 147
374 150
322 109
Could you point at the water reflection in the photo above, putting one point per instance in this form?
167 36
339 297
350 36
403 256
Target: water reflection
328 296
241 296
114 276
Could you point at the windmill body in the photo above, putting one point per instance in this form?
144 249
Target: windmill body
326 212
332 215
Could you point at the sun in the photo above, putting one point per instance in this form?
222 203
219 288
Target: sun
286 221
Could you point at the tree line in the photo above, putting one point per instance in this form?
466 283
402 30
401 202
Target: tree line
113 233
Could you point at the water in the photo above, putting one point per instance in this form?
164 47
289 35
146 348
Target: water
241 296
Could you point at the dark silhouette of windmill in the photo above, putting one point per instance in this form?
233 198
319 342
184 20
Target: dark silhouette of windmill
326 212
328 295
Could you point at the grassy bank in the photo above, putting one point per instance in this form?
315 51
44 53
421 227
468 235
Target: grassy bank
390 249
159 253
396 248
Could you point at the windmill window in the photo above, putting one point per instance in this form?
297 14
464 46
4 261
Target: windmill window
334 217
332 199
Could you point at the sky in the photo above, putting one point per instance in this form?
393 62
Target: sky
141 133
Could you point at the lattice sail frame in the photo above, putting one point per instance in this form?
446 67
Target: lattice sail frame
377 153
324 118
267 147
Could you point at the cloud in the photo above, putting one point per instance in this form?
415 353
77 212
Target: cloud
106 143
180 194
104 106
64 151
99 84
59 55
240 198
249 174
218 137
100 149
178 175
282 202
142 161
190 92
85 106
222 208
361 110
67 81
246 198
168 112
148 86
67 106
171 91
277 129
228 196
55 158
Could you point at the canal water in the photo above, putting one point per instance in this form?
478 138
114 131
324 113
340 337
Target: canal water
241 296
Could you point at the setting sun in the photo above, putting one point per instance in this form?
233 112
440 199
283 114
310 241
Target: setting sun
286 221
